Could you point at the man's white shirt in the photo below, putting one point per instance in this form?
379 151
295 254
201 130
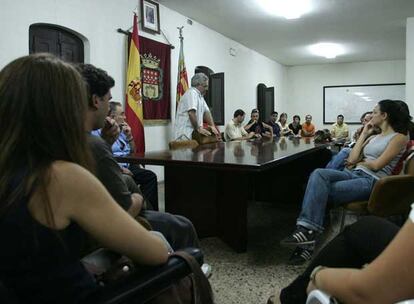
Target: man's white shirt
234 130
191 100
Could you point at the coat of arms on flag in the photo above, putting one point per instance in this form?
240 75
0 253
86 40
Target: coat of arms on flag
152 77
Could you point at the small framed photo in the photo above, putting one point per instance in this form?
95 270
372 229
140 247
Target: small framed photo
150 16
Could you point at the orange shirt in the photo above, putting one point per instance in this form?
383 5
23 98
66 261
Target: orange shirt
310 129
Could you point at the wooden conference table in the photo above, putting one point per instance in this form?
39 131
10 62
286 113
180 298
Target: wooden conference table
212 184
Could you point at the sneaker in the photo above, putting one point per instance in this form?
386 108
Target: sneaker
300 256
301 236
206 269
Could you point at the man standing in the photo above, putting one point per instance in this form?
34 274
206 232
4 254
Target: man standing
193 110
340 129
308 128
234 129
273 123
125 145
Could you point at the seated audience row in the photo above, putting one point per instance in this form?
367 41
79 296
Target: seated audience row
256 128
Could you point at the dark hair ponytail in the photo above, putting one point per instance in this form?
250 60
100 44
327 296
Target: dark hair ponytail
398 115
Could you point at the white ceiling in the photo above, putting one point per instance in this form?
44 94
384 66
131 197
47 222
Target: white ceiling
369 29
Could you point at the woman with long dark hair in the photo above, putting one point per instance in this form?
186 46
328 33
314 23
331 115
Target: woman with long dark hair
372 158
49 200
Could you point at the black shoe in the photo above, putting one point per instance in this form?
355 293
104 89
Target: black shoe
301 236
300 256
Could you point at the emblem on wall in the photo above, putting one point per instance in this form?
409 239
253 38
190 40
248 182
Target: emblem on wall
152 77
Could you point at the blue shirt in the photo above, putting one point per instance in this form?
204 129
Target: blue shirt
120 147
275 127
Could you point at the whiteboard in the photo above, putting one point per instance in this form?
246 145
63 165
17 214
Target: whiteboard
354 100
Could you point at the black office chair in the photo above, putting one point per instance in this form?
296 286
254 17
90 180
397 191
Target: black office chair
141 286
147 282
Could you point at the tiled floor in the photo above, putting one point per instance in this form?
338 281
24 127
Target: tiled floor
252 276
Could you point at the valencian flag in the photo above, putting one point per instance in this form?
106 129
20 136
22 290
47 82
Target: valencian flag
133 105
182 80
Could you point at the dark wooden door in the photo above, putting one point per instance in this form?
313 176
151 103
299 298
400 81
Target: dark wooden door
265 101
57 41
217 97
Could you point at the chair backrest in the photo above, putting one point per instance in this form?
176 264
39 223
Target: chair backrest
408 150
409 164
392 195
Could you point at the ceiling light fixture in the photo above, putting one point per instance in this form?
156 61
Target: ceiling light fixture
359 93
290 9
327 50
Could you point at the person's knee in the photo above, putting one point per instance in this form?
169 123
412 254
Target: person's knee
369 226
318 173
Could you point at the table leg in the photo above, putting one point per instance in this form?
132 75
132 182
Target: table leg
232 202
192 193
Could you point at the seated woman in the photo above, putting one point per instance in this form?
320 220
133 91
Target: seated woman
49 200
284 127
380 154
295 126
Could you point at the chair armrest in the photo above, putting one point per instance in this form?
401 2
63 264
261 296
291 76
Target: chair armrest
147 281
319 297
392 195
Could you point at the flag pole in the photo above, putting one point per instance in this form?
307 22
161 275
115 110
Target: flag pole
182 80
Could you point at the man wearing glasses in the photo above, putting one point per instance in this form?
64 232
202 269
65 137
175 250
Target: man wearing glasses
192 111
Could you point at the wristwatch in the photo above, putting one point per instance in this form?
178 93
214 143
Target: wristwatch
314 272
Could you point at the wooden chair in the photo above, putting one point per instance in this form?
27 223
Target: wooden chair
391 196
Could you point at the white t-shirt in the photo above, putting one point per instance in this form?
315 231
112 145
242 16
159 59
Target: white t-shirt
233 131
191 100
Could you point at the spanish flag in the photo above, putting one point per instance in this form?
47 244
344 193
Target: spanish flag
182 80
133 105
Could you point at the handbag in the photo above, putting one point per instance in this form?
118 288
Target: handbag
203 139
192 289
182 142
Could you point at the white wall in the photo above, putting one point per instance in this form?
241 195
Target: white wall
305 83
409 89
97 21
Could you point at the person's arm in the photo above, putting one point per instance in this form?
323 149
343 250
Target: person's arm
76 195
126 129
312 133
193 119
388 279
249 125
391 151
110 131
305 132
109 173
269 128
346 133
333 133
354 156
137 202
208 118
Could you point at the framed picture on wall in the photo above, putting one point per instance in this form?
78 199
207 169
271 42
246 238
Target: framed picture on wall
150 16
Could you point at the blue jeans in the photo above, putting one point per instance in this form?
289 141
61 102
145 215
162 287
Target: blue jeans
338 160
336 186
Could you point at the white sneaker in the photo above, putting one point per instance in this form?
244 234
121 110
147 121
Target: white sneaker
206 269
